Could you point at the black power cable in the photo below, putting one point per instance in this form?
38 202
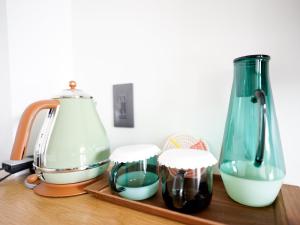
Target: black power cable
14 166
3 178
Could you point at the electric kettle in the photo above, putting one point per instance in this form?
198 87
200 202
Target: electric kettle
72 148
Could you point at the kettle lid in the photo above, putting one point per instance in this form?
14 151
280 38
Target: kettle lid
72 92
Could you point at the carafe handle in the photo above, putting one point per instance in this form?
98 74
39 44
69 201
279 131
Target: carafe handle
113 177
25 125
260 97
178 189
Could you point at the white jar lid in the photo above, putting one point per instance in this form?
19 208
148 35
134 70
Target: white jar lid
131 153
186 159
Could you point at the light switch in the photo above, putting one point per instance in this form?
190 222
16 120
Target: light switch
123 105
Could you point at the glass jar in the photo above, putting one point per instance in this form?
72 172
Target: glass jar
187 179
134 174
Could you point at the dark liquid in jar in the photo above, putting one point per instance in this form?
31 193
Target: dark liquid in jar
195 195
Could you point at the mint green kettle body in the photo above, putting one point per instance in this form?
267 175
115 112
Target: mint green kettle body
251 162
72 146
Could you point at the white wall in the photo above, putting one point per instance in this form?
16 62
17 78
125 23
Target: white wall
178 54
38 40
40 49
5 96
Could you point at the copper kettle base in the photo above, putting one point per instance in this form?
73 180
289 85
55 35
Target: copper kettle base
61 190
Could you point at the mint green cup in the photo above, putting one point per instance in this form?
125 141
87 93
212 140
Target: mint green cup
136 180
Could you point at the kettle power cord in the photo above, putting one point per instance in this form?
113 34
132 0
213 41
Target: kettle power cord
14 166
3 178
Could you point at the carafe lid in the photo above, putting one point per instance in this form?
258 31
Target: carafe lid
186 159
132 153
73 92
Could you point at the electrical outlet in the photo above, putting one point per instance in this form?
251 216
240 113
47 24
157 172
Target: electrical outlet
123 105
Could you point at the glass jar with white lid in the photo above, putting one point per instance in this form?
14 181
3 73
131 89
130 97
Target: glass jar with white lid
134 173
187 179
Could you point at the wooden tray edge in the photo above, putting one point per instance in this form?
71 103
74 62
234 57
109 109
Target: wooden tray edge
286 206
290 195
149 209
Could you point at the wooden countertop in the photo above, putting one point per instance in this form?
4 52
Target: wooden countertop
19 205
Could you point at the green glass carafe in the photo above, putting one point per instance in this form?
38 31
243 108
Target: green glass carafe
251 162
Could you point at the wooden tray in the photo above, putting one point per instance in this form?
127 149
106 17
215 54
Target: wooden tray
222 210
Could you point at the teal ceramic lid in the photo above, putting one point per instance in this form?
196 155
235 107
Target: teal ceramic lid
73 92
186 159
132 153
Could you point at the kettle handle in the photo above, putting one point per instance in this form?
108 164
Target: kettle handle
25 125
260 97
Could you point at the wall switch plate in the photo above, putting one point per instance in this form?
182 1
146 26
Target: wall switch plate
123 105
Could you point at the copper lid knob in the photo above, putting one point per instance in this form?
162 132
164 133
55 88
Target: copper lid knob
72 84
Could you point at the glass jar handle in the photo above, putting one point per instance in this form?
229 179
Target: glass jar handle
178 189
113 177
260 97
